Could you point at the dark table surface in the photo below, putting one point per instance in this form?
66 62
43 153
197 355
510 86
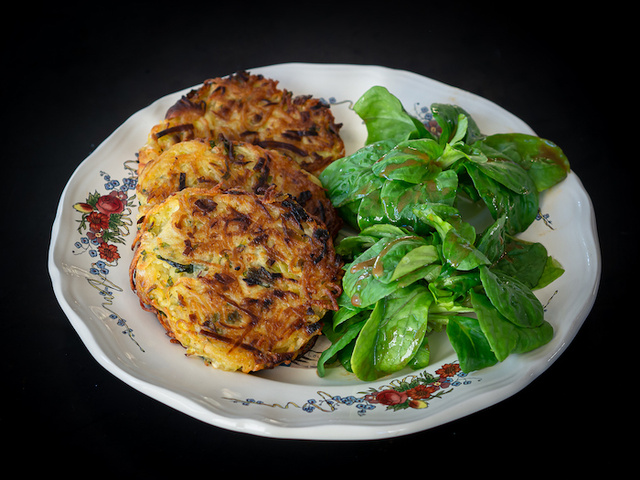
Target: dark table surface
71 76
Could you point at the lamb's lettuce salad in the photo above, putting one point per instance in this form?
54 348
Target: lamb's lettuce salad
419 260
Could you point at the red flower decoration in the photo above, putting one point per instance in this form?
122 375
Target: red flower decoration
109 204
448 370
108 252
421 391
83 207
95 237
391 397
98 221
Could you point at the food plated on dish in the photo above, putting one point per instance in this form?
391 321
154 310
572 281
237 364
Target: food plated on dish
315 391
416 263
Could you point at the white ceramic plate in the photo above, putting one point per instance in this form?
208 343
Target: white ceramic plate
293 402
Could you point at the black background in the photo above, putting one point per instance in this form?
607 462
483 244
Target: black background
73 75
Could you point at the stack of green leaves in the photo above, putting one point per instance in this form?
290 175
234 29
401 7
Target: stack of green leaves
418 260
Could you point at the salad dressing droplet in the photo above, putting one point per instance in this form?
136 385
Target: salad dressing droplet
355 300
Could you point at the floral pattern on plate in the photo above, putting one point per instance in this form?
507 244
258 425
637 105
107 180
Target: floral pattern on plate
105 222
412 391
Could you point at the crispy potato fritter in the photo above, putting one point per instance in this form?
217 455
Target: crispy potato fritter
251 108
195 163
239 279
234 249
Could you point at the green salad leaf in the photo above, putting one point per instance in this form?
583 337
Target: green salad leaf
418 262
386 118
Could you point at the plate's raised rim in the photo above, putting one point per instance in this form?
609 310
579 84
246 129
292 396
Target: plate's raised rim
331 431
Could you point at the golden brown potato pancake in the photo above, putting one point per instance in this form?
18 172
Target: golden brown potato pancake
251 108
196 163
239 279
